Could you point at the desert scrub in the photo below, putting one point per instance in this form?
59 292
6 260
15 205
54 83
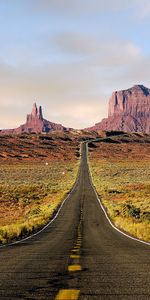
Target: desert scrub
30 194
124 187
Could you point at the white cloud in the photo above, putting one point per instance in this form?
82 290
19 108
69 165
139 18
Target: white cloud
143 9
86 65
62 90
78 7
74 94
90 7
94 50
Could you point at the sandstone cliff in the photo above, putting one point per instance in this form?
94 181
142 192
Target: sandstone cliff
36 123
129 110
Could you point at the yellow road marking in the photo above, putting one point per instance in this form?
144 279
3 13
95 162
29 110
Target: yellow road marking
73 268
75 250
67 295
73 256
78 245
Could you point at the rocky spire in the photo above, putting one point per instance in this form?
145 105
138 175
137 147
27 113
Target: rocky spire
34 110
36 123
40 115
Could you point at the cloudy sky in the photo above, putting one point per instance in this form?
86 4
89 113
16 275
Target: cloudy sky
69 56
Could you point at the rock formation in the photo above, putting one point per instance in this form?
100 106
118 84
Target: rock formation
35 123
129 110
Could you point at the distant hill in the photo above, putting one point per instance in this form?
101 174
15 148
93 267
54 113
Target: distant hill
35 123
129 110
52 146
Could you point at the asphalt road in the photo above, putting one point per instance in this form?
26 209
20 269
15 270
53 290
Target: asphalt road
79 256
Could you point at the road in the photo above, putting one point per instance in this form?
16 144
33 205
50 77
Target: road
79 256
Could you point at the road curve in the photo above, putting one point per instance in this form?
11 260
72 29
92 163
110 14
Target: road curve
79 256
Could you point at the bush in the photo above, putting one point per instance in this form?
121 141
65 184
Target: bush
134 212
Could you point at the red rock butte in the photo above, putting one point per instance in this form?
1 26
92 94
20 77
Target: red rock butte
35 123
129 110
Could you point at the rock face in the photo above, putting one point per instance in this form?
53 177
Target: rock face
35 123
129 110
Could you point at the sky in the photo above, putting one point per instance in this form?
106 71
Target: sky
69 56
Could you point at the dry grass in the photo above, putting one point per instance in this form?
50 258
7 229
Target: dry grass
36 173
121 174
30 194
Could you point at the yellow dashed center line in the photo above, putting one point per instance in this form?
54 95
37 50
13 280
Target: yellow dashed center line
76 247
73 268
67 295
73 256
74 250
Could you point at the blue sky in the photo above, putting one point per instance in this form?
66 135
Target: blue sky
69 56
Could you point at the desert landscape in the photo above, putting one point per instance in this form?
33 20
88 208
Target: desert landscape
49 208
37 171
39 163
74 150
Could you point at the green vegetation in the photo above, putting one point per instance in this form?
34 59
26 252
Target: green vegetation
30 194
124 187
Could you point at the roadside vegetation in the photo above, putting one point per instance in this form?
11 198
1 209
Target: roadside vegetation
36 173
121 175
30 194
